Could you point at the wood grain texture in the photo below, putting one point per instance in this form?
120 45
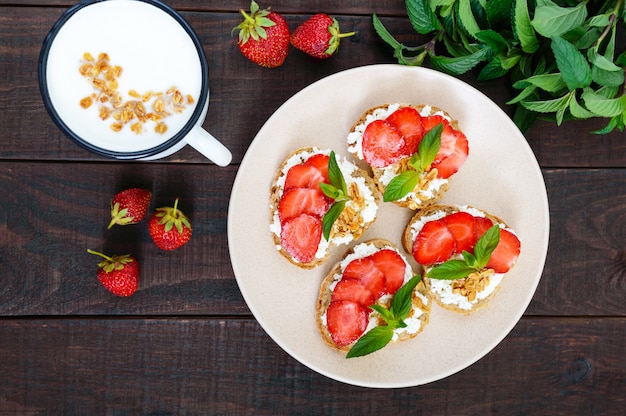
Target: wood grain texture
198 366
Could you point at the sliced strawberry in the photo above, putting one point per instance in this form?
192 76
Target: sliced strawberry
346 321
506 253
448 143
320 161
393 267
300 236
365 271
450 164
303 176
461 225
434 243
431 121
298 201
408 122
354 291
382 144
481 225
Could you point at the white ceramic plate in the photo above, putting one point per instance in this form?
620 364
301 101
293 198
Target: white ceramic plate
501 176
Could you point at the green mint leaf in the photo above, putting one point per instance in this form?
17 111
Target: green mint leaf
461 64
331 216
373 340
498 12
546 82
384 34
427 149
602 106
523 27
548 106
578 111
485 246
494 69
402 301
384 313
616 122
401 185
451 270
421 16
334 174
572 64
553 20
470 259
466 16
330 191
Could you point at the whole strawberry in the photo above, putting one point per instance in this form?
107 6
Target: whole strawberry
119 274
129 206
169 227
263 37
319 36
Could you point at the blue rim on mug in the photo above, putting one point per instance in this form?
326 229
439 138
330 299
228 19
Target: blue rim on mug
193 120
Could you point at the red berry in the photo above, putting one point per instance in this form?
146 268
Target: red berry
263 37
382 144
434 243
118 274
365 271
408 122
346 321
319 36
129 206
481 225
298 201
169 227
393 267
352 290
320 161
461 225
450 164
300 237
506 253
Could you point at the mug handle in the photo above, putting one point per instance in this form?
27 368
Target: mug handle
209 146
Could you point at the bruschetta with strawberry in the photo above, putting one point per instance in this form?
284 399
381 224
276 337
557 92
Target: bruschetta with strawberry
465 252
319 201
370 298
413 151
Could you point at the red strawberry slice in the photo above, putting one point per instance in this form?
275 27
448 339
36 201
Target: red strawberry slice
408 122
300 237
346 321
393 267
304 176
461 225
449 137
481 225
382 144
298 201
450 164
320 161
354 291
434 243
506 253
431 121
365 271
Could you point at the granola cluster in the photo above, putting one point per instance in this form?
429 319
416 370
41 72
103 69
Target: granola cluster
349 221
151 106
472 284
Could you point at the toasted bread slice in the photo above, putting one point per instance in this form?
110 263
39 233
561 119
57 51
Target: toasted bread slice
418 317
462 295
358 214
430 189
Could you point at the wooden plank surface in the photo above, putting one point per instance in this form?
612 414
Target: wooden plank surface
186 343
230 366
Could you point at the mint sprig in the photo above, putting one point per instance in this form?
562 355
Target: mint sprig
528 41
471 263
381 335
421 160
338 191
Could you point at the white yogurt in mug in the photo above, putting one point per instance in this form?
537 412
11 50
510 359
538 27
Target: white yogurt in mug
155 51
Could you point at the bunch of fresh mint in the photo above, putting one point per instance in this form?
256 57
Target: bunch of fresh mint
561 56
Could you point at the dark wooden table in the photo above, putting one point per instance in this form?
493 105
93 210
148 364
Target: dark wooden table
186 343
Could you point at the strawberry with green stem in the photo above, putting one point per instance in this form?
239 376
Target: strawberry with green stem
169 228
129 206
319 36
263 37
118 274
